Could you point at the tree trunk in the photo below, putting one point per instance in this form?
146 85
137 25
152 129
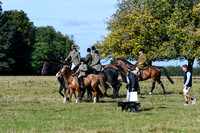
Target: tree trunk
190 64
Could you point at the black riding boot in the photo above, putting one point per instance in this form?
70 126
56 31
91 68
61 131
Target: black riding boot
79 81
82 81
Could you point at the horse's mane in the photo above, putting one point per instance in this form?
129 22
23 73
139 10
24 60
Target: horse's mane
124 60
53 60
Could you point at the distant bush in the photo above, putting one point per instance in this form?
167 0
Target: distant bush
177 71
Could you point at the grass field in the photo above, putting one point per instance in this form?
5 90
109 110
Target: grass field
33 104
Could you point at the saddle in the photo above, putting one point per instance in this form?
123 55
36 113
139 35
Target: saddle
80 80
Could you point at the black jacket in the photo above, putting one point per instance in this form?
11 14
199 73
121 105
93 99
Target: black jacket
133 82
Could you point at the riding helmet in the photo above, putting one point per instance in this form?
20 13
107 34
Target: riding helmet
88 50
82 60
93 48
141 50
96 52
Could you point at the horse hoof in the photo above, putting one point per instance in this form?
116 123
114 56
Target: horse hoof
150 93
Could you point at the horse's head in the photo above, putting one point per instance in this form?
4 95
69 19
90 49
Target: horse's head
51 66
45 68
119 62
124 64
66 71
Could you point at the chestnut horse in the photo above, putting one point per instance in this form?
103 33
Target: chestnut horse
91 80
153 72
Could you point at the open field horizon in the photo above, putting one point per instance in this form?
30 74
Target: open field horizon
33 104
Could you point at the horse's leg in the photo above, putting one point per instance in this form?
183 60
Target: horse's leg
79 93
75 97
89 94
83 92
115 90
95 94
70 97
153 86
161 84
118 87
65 85
61 81
60 90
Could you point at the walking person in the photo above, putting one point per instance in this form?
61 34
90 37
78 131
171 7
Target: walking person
187 85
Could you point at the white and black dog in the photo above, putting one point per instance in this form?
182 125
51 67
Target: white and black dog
129 105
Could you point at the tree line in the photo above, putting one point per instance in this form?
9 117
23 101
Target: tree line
23 46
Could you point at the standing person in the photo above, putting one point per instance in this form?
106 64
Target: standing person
82 69
132 86
93 50
187 85
96 64
75 57
88 58
141 62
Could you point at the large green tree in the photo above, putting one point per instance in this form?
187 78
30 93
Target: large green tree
49 44
137 24
155 25
18 35
184 29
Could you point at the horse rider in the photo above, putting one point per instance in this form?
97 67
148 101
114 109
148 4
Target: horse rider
93 50
82 72
96 64
75 57
88 58
141 62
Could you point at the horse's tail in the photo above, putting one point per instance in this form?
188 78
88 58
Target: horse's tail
165 71
102 83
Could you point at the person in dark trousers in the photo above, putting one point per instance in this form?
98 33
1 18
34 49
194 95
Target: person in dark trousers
187 85
133 86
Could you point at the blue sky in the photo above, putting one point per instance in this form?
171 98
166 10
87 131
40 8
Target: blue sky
85 19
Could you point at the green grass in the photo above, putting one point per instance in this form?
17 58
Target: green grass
33 104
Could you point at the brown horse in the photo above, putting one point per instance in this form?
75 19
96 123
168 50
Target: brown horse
153 72
91 80
110 65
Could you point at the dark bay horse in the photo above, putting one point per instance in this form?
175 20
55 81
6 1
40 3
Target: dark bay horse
51 67
153 72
